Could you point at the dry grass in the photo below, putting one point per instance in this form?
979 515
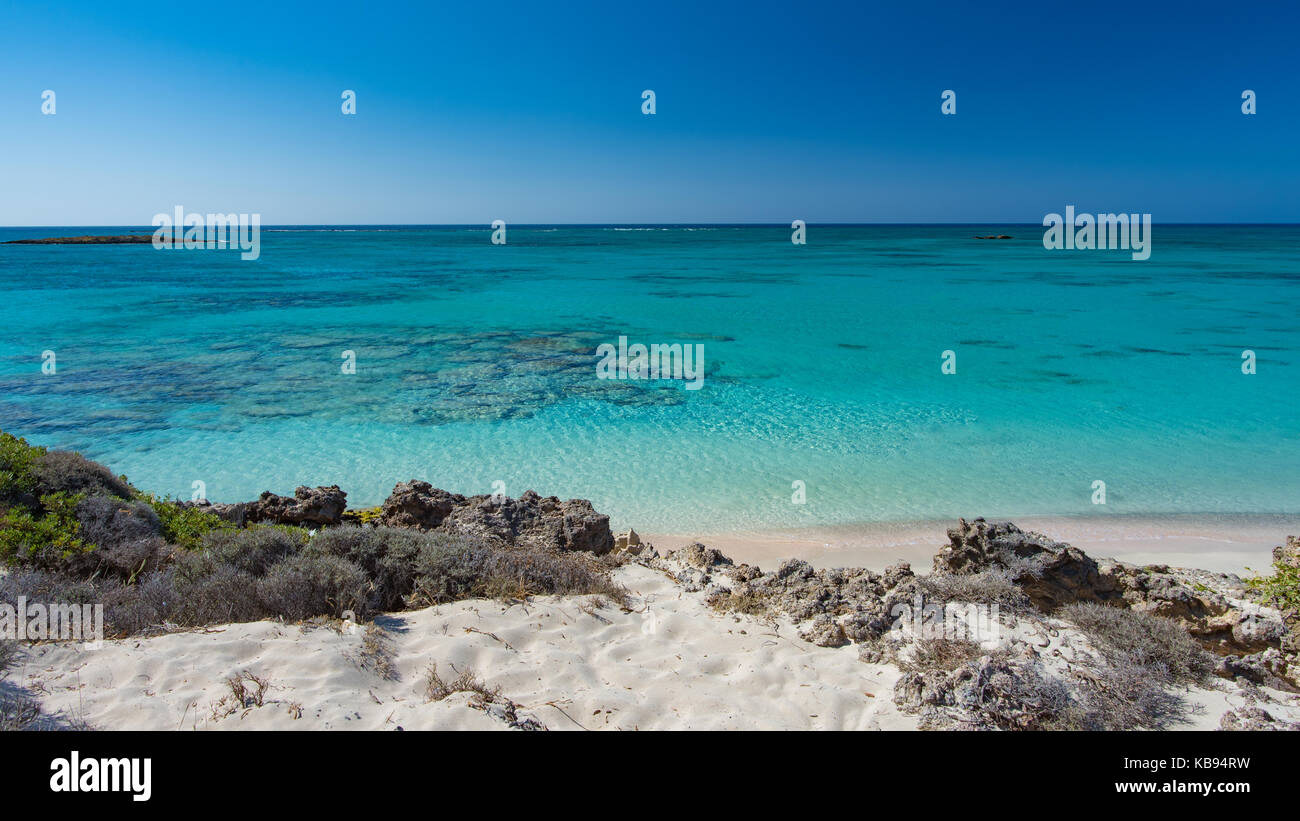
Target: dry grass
436 689
748 603
376 654
247 689
1129 637
934 655
992 587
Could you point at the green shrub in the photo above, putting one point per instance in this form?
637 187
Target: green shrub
256 549
184 525
17 463
44 536
1280 590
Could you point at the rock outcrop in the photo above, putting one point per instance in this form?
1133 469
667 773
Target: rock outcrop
1210 606
833 607
1051 573
308 507
418 505
1253 719
992 693
532 519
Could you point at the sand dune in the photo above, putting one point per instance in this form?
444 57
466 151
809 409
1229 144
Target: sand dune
569 663
673 663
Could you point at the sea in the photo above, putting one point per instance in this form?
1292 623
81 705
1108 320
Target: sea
875 373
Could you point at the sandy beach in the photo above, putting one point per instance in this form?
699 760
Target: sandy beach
567 663
1222 543
570 663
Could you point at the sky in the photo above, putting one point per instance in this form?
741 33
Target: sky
765 112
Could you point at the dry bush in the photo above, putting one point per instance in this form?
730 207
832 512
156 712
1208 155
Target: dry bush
1131 637
108 522
749 603
376 654
388 555
9 652
255 549
436 689
242 575
1127 693
452 569
940 654
303 586
61 471
990 587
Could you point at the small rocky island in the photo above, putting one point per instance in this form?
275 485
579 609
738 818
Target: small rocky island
119 239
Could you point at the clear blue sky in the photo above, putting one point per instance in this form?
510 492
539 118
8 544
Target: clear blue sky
469 112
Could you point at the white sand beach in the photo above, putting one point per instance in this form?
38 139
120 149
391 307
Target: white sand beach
673 663
1221 543
670 661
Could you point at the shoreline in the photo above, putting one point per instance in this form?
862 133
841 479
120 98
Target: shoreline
1226 543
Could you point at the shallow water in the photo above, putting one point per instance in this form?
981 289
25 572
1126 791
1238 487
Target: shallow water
476 363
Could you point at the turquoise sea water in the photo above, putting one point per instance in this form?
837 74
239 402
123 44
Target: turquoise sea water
476 363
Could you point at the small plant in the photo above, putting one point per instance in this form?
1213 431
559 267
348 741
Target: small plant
376 655
1281 589
990 587
363 516
248 690
436 689
933 655
182 524
749 603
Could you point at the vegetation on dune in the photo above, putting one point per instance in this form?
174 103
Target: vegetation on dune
183 525
1129 637
1281 589
71 531
42 536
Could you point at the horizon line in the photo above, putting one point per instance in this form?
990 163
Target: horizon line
756 224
